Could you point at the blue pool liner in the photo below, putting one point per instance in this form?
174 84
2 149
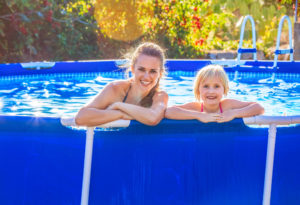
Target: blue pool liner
176 162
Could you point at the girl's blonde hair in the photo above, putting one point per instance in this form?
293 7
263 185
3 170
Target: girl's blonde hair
208 72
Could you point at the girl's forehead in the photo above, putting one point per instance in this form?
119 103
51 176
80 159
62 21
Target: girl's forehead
212 79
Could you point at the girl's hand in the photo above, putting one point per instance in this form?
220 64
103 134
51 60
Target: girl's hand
209 117
227 116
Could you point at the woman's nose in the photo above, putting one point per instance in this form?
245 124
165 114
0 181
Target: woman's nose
146 75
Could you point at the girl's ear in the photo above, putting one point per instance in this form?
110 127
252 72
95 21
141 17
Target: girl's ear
132 69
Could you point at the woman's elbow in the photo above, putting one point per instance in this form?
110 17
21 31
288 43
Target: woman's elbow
260 109
154 120
80 120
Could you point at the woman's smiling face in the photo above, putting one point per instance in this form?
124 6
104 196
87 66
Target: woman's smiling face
147 72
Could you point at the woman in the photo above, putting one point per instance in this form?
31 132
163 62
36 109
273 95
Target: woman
137 98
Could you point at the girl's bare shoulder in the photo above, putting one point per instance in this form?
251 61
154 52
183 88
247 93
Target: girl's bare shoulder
233 104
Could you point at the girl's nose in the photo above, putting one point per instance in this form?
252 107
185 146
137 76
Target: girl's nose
211 90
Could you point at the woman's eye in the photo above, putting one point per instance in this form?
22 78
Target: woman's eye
217 86
153 71
205 86
141 69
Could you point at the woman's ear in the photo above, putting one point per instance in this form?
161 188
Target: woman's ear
132 69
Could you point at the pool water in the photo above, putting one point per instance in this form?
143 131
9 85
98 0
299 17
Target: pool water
63 94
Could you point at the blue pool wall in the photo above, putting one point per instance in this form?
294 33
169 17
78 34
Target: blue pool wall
172 65
175 162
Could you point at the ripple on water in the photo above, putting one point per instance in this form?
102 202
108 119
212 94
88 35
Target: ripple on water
57 96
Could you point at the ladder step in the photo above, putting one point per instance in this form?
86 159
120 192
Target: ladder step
247 50
284 51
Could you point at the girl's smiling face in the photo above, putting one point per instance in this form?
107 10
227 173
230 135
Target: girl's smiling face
211 91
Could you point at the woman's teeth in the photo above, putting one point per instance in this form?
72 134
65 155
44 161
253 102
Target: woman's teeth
145 82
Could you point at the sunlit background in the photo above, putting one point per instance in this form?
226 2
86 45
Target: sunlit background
59 30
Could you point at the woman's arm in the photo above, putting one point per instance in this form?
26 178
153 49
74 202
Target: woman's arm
88 116
239 109
95 113
149 116
189 112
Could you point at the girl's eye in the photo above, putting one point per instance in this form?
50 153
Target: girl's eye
153 71
141 69
217 86
205 86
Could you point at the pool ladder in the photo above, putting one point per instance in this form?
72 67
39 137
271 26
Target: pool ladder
272 130
247 50
253 50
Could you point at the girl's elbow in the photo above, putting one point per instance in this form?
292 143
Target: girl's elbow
170 113
167 114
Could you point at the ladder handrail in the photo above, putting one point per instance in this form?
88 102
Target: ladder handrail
296 8
283 51
248 17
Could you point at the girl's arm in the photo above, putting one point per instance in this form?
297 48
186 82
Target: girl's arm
189 112
149 116
239 109
95 113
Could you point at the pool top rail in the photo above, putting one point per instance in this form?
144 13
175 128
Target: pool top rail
256 120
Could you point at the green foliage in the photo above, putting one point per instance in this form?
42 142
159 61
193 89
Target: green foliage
54 30
34 30
189 28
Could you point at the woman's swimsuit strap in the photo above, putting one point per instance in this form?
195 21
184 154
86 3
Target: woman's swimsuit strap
127 93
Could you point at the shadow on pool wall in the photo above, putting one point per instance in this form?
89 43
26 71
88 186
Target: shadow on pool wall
176 162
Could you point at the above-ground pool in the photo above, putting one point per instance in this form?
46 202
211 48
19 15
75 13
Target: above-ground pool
175 162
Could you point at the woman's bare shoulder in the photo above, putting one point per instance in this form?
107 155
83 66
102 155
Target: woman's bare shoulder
112 92
190 106
161 93
118 85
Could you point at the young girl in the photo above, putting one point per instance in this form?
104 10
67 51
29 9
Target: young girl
136 98
210 86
